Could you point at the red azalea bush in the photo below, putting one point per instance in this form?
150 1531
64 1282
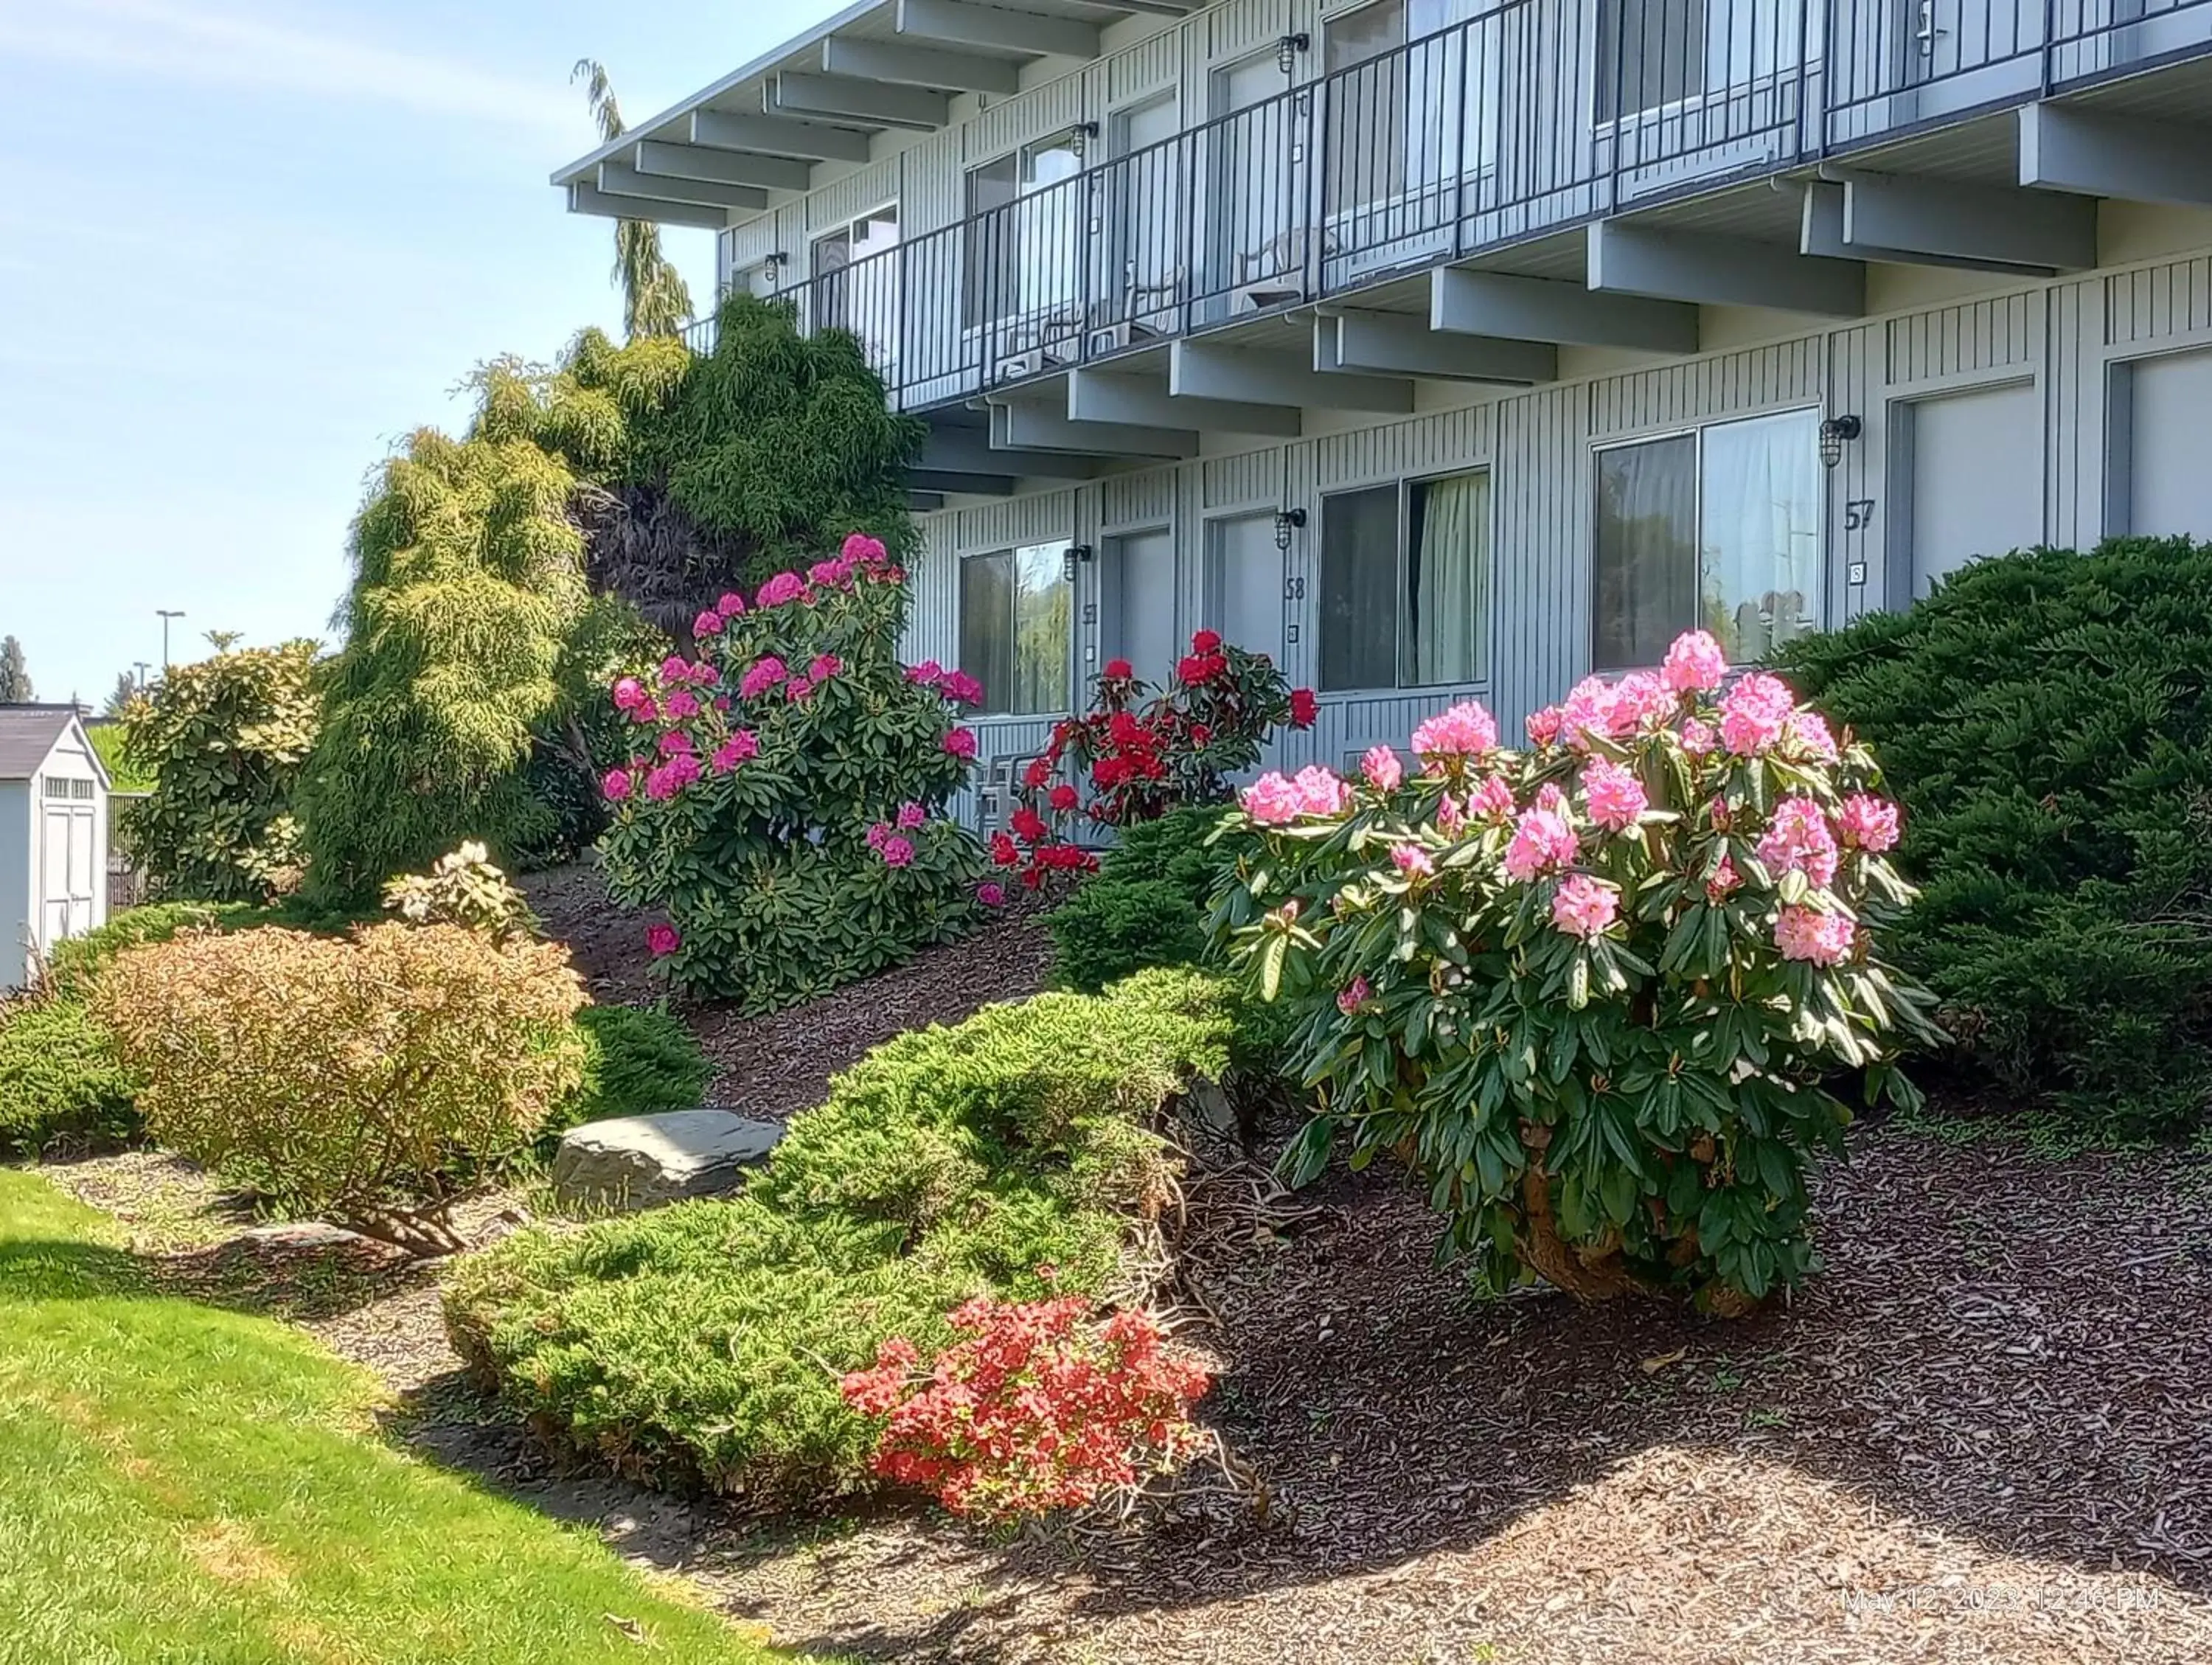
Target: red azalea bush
1142 754
1592 992
785 804
1038 1406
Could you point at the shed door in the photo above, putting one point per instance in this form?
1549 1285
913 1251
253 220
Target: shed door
2169 486
66 873
1977 463
1246 584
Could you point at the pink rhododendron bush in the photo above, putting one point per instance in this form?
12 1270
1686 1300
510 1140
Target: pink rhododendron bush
784 803
1601 992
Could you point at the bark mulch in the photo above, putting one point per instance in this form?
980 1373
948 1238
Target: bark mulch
778 1065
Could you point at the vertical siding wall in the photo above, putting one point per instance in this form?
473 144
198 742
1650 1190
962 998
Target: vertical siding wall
1538 444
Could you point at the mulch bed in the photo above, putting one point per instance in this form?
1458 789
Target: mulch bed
1978 1434
777 1066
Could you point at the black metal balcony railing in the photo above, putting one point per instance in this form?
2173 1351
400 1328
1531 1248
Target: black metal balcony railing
1535 116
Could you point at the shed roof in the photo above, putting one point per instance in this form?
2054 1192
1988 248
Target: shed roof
27 734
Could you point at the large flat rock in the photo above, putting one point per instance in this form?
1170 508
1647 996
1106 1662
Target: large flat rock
644 1161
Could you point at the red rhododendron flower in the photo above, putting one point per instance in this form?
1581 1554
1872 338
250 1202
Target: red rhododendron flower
1206 641
1119 670
1303 708
1063 798
1028 825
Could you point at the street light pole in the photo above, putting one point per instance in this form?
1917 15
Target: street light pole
166 614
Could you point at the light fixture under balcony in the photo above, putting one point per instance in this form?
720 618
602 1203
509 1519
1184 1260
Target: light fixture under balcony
1287 521
1074 555
1287 50
1835 434
1079 138
774 266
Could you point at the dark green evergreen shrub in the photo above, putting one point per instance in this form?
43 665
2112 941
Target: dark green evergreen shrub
1146 905
2045 718
702 1344
59 1076
636 1062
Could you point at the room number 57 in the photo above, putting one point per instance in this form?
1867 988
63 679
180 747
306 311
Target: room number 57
1858 513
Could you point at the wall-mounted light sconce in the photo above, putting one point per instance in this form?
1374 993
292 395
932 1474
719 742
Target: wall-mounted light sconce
774 265
1287 50
1287 521
1076 555
1079 138
1835 434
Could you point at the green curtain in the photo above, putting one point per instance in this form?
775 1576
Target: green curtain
1451 582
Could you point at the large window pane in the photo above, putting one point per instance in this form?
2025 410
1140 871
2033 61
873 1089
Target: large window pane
1359 589
1647 550
988 273
1447 580
1760 533
1649 54
1043 615
987 627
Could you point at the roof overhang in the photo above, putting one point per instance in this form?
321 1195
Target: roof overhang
735 149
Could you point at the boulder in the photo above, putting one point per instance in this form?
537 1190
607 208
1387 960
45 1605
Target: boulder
644 1161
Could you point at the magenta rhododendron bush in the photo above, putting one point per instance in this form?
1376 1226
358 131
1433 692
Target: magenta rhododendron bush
784 801
1597 992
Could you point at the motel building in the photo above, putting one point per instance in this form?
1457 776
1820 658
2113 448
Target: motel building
1451 348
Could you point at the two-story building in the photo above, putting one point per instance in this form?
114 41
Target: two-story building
1440 347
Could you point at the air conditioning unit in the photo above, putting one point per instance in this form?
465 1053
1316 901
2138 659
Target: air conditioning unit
1115 337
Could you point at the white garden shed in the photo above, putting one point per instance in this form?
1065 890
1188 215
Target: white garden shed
53 834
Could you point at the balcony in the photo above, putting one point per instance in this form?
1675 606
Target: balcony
1533 118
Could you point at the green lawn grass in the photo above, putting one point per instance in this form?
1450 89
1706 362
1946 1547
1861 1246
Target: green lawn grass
183 1484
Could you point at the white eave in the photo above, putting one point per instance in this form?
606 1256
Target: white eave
751 140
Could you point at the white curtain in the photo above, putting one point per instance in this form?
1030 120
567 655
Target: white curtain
1760 533
1647 550
1452 574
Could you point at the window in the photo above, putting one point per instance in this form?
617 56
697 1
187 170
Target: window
1652 54
53 786
80 790
851 295
1719 528
1026 260
1405 584
1017 618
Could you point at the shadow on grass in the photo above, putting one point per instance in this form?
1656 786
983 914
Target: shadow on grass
298 1282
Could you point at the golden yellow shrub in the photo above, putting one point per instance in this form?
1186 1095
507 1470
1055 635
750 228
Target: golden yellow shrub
358 1079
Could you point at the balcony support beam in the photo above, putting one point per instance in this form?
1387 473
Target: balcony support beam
2094 154
973 485
1992 228
590 199
1108 396
620 180
1386 343
969 451
871 103
1199 370
1721 271
1027 425
924 502
808 139
1505 304
958 24
903 65
685 161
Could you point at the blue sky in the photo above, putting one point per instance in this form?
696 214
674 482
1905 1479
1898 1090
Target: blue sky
248 245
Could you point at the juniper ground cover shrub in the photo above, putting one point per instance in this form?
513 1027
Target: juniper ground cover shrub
2047 718
346 1078
1592 993
60 1078
785 800
1147 904
703 1343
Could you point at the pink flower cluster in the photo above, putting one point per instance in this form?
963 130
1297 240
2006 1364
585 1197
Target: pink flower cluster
1353 996
1276 800
1584 907
764 673
1541 840
1412 860
1616 798
1491 799
885 840
663 939
1695 664
955 685
1797 841
739 746
1755 715
1868 823
1382 767
1465 730
960 743
1804 933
